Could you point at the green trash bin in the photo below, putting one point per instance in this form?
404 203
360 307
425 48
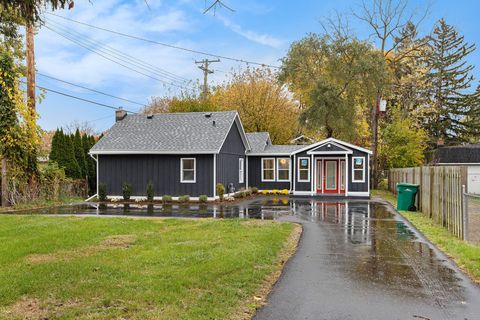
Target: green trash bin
406 194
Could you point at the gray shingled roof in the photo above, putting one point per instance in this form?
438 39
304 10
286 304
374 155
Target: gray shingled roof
279 149
190 132
258 141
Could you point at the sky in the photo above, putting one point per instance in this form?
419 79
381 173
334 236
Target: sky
257 30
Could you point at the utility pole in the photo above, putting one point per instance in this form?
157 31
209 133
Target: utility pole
204 67
30 68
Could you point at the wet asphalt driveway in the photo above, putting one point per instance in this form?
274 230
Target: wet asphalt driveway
360 260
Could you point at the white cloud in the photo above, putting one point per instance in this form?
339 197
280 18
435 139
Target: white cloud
263 39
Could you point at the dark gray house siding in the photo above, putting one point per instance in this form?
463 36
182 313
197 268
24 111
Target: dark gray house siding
227 166
162 170
357 186
302 186
255 174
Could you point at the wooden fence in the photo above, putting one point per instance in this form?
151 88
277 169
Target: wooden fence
440 196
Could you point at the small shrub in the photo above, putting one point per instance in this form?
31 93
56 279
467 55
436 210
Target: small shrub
166 198
284 192
150 192
184 198
248 193
265 192
254 190
203 198
383 184
220 190
275 191
126 190
102 192
239 194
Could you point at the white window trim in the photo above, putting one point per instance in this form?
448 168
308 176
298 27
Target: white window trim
298 169
194 170
268 180
278 169
353 169
241 170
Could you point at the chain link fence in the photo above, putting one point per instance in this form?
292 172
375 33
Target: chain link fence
472 217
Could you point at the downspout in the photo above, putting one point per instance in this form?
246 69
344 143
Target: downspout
246 172
214 175
96 161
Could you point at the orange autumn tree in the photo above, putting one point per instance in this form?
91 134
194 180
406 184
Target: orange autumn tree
262 102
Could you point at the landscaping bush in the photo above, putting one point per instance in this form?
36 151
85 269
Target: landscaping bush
254 190
265 192
239 194
166 198
102 192
126 190
184 198
203 198
248 193
150 192
383 184
220 190
284 192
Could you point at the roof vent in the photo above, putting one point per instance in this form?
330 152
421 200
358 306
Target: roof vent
120 114
214 124
328 145
150 116
208 115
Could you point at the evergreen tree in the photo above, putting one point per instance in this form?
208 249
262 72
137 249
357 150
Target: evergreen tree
66 156
79 153
453 113
54 147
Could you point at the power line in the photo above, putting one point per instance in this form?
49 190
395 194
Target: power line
81 99
112 60
142 64
165 44
93 90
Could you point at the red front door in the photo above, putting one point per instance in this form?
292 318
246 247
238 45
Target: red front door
330 176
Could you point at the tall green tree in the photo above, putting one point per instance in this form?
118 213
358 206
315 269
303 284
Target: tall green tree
322 71
454 112
79 154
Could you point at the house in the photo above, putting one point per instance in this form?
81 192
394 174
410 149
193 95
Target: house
461 155
189 153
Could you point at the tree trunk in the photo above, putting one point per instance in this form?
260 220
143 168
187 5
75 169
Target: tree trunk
4 183
30 67
374 163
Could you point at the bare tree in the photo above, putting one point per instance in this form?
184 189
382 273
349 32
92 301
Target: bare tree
387 18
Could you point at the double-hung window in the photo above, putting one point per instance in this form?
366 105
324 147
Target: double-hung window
283 169
268 169
358 169
303 169
241 169
187 170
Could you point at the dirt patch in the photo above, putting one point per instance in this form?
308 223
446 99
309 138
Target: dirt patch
112 242
33 309
251 304
119 241
25 308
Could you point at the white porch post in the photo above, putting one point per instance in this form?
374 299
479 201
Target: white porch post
346 175
312 172
294 175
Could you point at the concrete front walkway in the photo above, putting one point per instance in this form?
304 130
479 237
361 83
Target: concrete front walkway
361 260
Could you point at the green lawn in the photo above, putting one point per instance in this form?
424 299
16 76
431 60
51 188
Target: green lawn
466 255
125 268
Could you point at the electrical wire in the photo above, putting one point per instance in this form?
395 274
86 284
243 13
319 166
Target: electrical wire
165 44
81 99
93 90
112 60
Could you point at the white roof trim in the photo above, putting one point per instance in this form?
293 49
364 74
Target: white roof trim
327 143
330 152
153 152
270 154
333 140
